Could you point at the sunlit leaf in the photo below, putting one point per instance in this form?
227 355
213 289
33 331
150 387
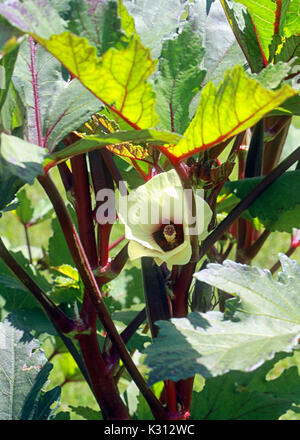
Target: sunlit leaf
130 151
259 293
101 124
63 105
238 103
127 22
68 272
207 344
22 158
119 78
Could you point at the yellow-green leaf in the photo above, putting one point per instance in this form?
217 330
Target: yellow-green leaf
127 22
129 150
238 103
69 276
119 78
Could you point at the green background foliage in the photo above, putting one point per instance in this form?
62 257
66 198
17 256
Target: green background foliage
184 70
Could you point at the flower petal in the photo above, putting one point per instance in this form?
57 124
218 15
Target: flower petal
159 201
183 256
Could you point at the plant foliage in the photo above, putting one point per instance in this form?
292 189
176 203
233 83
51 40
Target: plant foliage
100 100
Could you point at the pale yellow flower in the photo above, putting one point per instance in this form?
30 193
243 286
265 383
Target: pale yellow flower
156 220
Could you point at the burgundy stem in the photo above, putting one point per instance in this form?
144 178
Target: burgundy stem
83 208
180 309
102 180
103 384
92 287
34 76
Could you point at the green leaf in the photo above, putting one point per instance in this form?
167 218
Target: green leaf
222 112
61 6
8 36
59 252
99 22
24 210
20 158
66 287
86 413
93 142
127 290
29 13
163 14
20 163
63 415
143 411
251 396
68 367
16 296
290 107
278 208
292 18
244 31
63 104
209 345
222 50
178 78
128 173
23 373
119 78
263 14
34 320
272 76
127 21
285 49
7 64
45 409
43 210
258 292
12 112
264 321
270 17
9 186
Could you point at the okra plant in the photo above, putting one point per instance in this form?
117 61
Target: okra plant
148 154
